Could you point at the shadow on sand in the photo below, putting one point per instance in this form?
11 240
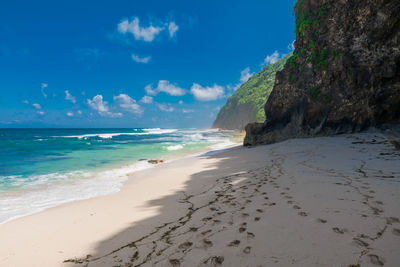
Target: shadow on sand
151 240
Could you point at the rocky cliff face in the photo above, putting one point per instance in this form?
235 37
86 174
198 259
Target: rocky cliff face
246 105
344 75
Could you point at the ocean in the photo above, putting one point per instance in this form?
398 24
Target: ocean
42 168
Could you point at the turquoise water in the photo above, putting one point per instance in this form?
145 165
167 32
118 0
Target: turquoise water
41 168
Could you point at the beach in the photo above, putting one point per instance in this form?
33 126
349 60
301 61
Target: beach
327 201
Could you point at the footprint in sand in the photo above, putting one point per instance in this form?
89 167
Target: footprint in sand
375 259
302 213
376 210
290 202
234 243
242 229
296 207
206 232
185 246
321 220
360 242
207 243
396 231
250 235
260 210
338 230
247 250
206 219
214 261
175 262
257 219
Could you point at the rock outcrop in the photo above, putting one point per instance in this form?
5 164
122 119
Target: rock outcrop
246 105
344 75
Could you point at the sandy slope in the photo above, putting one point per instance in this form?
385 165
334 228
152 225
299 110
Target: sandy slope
331 201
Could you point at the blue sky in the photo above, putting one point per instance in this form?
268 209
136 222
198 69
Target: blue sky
132 63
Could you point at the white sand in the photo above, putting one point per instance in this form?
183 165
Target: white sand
331 201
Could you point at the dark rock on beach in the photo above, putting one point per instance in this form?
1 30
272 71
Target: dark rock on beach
155 161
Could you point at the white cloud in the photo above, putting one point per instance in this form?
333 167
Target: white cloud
128 104
187 110
43 86
69 97
25 102
37 106
146 34
172 29
139 59
79 112
166 87
271 59
180 102
40 112
147 99
245 75
101 107
149 90
207 93
70 114
166 108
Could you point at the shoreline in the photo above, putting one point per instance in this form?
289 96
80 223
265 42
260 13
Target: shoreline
327 201
124 177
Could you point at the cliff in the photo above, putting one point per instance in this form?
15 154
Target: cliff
344 75
246 105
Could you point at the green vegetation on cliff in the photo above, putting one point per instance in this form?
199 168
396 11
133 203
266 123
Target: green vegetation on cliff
247 103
